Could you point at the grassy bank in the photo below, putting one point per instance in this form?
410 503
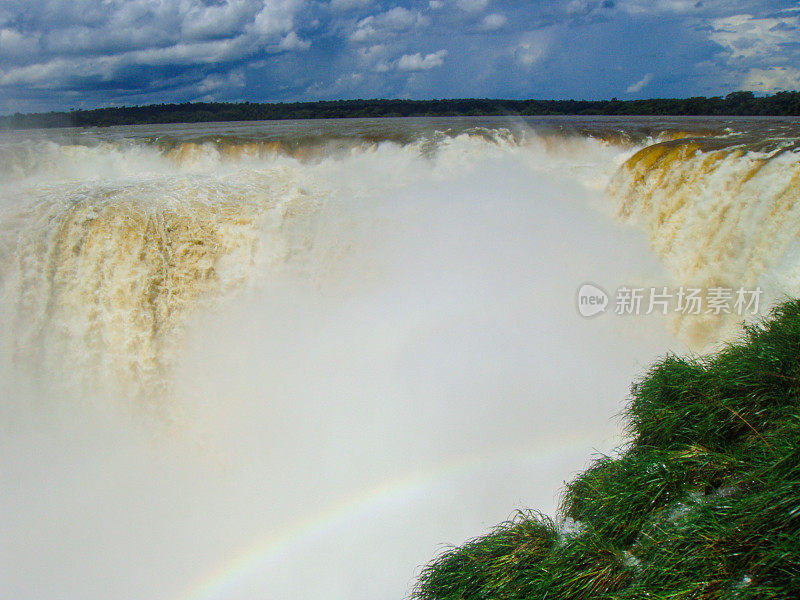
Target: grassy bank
703 502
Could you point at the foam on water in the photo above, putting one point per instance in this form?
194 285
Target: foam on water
241 371
723 217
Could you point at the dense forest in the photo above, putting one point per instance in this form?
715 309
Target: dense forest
736 103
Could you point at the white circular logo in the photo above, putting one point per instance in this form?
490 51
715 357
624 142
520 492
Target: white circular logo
592 300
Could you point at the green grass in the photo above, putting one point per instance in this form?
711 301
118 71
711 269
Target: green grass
702 502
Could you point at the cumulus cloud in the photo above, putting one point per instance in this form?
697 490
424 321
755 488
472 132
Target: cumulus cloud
530 49
63 72
369 53
276 17
64 44
36 74
758 53
493 22
773 79
343 84
106 51
746 37
472 5
639 85
418 62
217 81
644 7
347 5
202 22
581 9
15 44
394 21
374 58
291 41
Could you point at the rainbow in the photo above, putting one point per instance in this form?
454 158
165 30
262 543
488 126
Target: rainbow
223 579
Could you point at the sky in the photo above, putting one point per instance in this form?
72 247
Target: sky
64 54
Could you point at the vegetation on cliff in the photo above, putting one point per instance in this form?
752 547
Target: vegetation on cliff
703 502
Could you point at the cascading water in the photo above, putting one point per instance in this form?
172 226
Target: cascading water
292 360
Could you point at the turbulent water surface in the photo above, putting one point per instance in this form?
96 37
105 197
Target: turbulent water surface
293 359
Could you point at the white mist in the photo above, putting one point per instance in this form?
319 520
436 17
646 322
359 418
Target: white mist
409 379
